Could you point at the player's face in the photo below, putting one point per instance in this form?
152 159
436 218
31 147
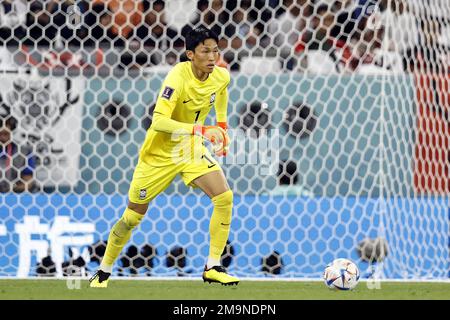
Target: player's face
205 56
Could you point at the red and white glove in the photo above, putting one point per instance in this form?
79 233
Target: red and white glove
225 146
216 135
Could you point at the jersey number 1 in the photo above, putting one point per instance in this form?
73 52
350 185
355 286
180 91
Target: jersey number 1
197 115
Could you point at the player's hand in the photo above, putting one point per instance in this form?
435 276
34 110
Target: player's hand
216 135
223 149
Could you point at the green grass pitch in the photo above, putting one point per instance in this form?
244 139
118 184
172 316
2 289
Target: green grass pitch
197 290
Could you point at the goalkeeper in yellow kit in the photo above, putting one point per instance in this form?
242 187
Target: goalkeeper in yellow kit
175 145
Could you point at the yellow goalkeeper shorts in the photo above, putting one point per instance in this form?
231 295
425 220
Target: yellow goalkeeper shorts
149 181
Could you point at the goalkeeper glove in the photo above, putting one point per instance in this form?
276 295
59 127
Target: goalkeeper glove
216 135
224 150
223 125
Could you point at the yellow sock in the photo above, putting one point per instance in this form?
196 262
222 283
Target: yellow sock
219 226
118 237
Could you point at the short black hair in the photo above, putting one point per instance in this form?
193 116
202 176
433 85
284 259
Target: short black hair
199 35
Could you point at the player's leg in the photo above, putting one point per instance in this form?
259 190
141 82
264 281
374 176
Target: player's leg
216 187
210 179
147 183
121 232
118 237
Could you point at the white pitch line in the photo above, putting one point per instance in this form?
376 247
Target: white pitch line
172 278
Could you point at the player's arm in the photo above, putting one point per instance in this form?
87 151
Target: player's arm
221 107
167 100
163 123
215 134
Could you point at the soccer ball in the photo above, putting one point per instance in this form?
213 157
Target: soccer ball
341 274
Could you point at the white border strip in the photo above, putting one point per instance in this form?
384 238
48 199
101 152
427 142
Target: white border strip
173 278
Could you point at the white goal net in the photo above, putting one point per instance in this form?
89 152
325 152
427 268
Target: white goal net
340 127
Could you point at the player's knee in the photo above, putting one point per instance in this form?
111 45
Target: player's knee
122 229
119 232
132 218
224 200
138 207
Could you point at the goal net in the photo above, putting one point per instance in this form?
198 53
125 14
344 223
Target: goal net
338 115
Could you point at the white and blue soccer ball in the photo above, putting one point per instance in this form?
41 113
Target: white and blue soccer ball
341 274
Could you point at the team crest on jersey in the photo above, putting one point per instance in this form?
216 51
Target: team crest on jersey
167 92
142 194
213 98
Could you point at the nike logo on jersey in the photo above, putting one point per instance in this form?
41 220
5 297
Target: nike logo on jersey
211 165
186 101
227 224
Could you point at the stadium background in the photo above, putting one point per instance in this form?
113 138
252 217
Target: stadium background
370 146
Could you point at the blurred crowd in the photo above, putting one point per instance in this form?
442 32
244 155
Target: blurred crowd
365 36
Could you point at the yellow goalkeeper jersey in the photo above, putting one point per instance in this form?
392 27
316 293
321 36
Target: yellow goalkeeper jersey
187 100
